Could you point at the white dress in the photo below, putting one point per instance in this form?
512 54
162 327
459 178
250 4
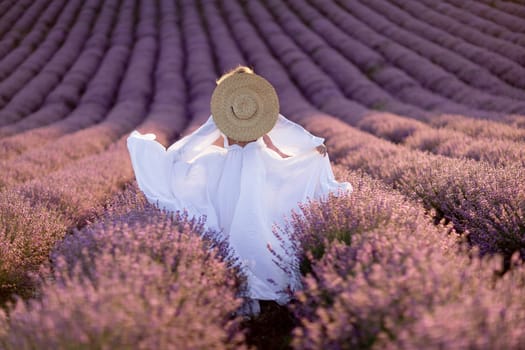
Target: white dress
242 191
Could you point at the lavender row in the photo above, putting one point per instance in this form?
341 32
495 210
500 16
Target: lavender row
166 114
68 92
455 144
126 114
4 6
515 8
428 74
22 26
349 81
79 176
98 97
318 88
226 54
446 141
374 64
393 80
512 22
467 73
159 285
481 128
169 101
32 40
10 16
499 65
200 68
39 213
31 96
453 21
475 75
16 78
378 274
82 70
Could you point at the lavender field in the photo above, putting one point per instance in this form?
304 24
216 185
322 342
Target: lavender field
421 104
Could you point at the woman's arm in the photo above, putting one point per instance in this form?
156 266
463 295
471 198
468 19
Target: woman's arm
270 145
321 148
219 142
292 138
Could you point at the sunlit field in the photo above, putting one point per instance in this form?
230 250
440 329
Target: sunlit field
422 107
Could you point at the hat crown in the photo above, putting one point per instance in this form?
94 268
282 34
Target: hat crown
244 106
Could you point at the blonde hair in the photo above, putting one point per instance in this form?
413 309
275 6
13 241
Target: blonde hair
236 70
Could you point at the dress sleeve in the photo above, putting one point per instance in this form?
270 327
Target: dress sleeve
292 138
151 164
192 144
154 165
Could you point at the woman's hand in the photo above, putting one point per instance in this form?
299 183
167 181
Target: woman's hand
321 149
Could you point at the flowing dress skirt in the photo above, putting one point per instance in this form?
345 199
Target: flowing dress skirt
243 192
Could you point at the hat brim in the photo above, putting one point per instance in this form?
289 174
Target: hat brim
260 91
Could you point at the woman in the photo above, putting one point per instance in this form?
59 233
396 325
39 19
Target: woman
246 168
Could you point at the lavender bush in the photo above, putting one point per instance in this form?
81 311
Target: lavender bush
381 275
140 278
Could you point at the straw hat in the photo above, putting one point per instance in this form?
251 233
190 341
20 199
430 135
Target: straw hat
244 106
